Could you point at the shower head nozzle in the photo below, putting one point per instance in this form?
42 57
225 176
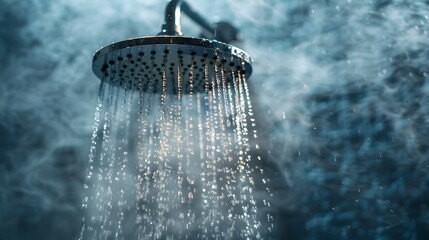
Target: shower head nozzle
144 63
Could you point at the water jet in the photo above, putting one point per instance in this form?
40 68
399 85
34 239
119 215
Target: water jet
173 130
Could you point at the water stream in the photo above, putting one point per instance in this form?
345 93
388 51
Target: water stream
174 166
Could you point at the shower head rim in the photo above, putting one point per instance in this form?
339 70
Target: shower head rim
135 53
166 39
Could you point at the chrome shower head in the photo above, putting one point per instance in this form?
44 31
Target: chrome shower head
145 63
169 62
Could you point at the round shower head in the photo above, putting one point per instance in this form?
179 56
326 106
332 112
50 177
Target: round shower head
151 63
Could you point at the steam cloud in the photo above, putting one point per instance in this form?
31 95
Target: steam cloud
341 88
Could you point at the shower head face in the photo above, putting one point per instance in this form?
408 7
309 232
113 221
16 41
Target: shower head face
170 64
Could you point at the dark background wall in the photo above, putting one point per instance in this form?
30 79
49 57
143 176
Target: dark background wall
340 88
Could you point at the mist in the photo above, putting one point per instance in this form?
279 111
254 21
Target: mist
339 88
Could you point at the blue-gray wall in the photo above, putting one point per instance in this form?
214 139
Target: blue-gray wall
341 89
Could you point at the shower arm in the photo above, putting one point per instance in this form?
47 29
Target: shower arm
172 24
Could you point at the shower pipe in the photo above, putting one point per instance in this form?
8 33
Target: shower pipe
222 31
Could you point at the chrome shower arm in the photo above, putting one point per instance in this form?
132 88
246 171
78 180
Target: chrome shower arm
172 24
172 19
222 31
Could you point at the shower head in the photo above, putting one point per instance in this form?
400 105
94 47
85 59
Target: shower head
143 63
169 62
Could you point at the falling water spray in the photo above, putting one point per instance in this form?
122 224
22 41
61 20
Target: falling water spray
173 130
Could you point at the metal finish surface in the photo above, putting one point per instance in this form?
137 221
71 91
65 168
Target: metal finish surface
145 63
